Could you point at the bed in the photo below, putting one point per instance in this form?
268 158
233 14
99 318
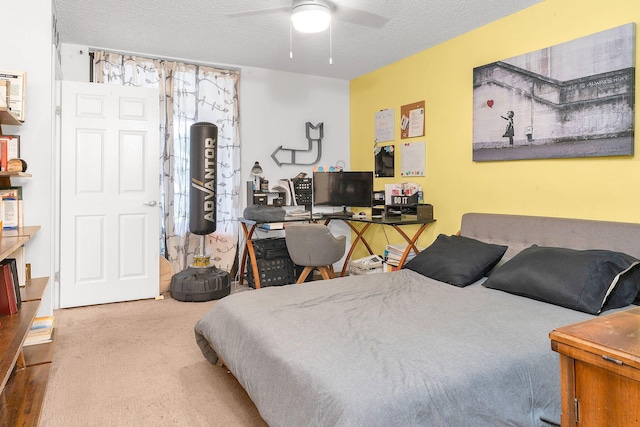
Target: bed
405 348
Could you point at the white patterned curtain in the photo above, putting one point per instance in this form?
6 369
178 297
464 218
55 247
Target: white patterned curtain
188 94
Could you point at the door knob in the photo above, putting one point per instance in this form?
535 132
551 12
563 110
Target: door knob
151 203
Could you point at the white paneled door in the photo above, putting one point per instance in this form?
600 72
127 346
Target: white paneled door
109 232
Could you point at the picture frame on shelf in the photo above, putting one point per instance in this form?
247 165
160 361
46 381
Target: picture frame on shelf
18 81
12 209
12 143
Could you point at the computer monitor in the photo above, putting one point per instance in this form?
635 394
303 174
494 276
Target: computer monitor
342 189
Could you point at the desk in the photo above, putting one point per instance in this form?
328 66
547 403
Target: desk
395 223
249 227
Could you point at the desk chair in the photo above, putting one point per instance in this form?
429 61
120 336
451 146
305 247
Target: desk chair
313 246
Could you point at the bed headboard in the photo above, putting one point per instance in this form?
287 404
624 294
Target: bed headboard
519 232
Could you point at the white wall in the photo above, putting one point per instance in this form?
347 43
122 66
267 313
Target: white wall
75 62
274 107
29 48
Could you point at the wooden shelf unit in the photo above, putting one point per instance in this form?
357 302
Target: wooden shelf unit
7 118
5 177
10 240
23 371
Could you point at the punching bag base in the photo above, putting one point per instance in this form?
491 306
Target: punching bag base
200 284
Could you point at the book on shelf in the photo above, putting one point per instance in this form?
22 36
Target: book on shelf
10 213
277 225
9 150
13 215
41 324
10 300
13 267
5 93
19 255
17 83
272 226
41 331
3 154
13 146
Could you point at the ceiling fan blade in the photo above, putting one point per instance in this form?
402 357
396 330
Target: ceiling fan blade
357 16
258 12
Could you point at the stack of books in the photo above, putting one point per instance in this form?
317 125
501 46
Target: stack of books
41 331
393 254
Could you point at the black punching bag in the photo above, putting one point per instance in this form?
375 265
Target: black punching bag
202 281
202 198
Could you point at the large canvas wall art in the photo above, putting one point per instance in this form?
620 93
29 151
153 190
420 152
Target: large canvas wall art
574 99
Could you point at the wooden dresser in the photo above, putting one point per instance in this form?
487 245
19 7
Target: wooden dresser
600 370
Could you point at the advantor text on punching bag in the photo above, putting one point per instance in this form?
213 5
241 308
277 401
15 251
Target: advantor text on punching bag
202 197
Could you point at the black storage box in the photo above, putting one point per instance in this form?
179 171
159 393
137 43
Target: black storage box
271 247
273 272
275 267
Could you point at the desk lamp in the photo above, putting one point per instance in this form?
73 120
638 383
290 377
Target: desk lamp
256 171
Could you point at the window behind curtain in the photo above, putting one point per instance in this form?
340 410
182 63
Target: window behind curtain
188 94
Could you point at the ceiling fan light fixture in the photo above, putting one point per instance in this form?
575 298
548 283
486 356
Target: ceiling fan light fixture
311 18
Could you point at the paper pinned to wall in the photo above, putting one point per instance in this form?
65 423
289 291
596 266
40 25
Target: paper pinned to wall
416 122
384 125
413 159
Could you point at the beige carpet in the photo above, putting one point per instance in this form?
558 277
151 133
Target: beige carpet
137 364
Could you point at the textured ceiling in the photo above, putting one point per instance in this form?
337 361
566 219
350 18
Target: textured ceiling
201 31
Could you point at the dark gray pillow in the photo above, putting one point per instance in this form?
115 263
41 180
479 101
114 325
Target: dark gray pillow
456 260
591 281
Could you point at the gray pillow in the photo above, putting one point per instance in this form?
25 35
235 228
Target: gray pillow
591 281
456 260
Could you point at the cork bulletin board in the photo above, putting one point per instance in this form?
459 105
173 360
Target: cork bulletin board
412 120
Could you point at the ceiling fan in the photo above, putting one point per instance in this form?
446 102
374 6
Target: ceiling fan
330 9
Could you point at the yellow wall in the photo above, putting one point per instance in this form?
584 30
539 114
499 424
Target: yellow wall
594 188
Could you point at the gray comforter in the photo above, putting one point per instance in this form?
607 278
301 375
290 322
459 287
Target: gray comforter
392 349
